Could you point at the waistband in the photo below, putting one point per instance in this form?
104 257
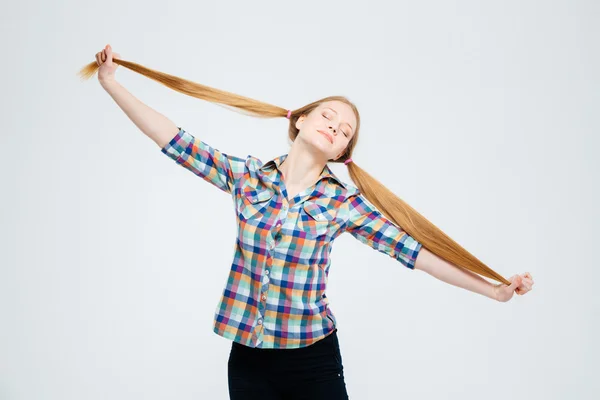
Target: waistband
321 342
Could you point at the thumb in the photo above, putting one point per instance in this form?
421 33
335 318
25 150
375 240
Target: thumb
109 55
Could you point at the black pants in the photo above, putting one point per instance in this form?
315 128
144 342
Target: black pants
313 372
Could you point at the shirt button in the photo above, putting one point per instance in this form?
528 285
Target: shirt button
279 223
260 321
267 272
264 297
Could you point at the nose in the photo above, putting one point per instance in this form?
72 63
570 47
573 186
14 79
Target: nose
334 131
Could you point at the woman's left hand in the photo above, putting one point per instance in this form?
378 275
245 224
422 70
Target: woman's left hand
520 284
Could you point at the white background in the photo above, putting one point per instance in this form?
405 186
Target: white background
481 115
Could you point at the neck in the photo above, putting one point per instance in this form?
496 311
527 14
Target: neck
301 167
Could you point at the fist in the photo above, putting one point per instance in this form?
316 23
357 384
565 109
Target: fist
104 59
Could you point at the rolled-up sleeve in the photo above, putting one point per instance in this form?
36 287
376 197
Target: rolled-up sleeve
370 227
212 165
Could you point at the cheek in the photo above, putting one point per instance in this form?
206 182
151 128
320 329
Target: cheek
339 148
307 127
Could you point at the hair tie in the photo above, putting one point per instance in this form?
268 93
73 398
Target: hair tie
347 161
289 114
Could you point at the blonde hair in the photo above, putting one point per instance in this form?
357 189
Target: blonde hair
390 205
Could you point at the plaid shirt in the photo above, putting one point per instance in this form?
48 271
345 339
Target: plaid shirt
275 294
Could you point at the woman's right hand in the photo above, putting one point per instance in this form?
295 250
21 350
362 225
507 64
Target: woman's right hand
107 69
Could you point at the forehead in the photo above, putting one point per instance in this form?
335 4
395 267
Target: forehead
344 111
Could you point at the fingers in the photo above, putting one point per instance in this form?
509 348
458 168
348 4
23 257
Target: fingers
104 55
521 291
525 285
515 281
527 281
528 276
108 52
99 58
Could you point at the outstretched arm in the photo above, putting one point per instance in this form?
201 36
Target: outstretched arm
153 124
214 166
460 277
450 273
369 226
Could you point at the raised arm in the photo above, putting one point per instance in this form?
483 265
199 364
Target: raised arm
212 165
215 167
152 123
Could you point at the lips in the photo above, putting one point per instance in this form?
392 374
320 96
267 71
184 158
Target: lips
328 136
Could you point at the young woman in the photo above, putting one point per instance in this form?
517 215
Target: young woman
290 209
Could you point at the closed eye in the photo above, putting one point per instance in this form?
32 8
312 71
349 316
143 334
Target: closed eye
340 129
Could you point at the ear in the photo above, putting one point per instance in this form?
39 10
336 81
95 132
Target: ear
300 121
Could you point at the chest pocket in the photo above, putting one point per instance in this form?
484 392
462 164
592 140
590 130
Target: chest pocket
255 202
315 219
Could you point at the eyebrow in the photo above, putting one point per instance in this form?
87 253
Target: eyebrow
344 122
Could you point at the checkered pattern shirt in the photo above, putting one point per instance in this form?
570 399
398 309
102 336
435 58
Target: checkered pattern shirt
275 293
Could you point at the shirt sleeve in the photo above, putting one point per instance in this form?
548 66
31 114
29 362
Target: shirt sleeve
212 165
370 227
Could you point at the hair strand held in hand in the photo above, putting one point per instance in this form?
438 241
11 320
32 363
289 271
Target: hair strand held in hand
393 207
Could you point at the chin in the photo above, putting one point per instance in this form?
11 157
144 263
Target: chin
322 148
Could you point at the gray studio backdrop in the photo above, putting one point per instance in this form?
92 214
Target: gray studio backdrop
481 115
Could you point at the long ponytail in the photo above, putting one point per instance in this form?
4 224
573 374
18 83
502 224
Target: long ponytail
394 208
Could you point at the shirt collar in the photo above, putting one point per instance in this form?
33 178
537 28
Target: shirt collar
326 173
